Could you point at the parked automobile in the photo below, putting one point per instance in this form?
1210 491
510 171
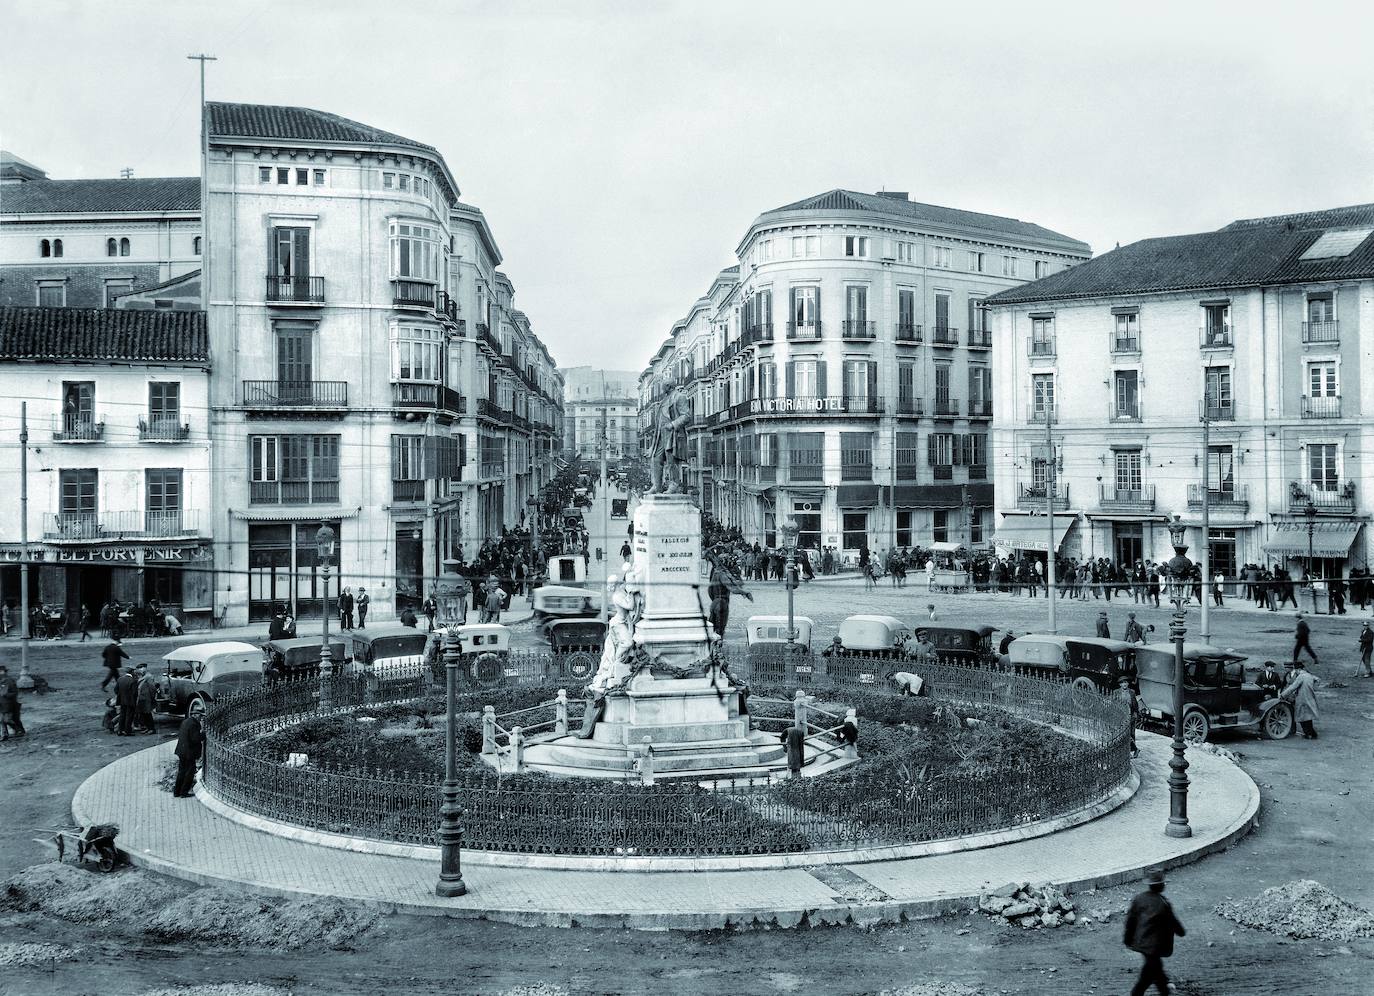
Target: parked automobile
1087 662
1216 695
576 646
870 636
564 593
620 508
969 645
291 658
483 654
765 640
195 675
387 653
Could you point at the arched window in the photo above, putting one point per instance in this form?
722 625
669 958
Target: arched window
195 245
57 247
111 247
45 248
124 247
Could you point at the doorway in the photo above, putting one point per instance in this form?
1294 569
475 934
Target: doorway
1128 543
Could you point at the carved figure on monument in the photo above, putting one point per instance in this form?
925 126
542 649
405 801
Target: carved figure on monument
615 654
668 442
723 583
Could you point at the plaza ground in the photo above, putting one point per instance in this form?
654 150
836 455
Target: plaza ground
1315 824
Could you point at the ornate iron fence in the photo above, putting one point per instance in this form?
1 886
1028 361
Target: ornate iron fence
531 813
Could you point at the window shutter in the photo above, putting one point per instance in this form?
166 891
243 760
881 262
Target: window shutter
930 449
820 379
792 311
396 458
818 312
872 383
972 311
301 259
273 264
767 316
791 378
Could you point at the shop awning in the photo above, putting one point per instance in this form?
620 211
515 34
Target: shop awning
277 513
856 495
1329 539
1028 532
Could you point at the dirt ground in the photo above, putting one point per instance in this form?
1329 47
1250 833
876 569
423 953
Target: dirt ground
1316 824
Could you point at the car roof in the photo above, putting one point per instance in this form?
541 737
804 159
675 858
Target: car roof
1053 638
304 641
1193 650
1116 646
204 651
769 620
886 620
367 636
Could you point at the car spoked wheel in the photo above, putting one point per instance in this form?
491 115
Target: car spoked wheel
1196 726
1086 684
1277 723
580 664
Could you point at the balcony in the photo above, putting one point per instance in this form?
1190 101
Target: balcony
489 409
407 491
1215 336
856 330
1326 406
485 338
114 526
410 396
942 471
804 330
980 409
843 405
1126 499
293 492
977 472
160 429
78 429
944 335
295 394
910 406
1040 413
1040 347
1125 344
445 306
910 335
1323 332
295 290
757 334
1219 409
979 338
1228 499
1337 500
946 408
1030 498
412 293
1123 412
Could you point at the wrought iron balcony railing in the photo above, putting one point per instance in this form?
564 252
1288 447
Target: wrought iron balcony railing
78 429
1323 406
1141 499
1327 332
910 334
162 429
1030 497
944 335
1226 498
412 293
124 524
979 338
859 330
269 394
804 330
295 290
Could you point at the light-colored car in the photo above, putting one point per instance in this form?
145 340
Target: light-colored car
483 653
765 638
392 652
196 674
872 634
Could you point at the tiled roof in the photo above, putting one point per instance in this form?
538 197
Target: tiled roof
67 334
297 124
163 193
1247 253
852 200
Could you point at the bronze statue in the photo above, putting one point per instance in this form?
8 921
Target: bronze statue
668 442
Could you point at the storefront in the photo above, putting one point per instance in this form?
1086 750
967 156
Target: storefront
283 569
1030 535
1323 546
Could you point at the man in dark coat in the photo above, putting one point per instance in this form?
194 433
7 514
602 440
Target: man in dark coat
126 691
1150 929
112 655
1302 639
1271 680
147 699
794 738
190 743
9 705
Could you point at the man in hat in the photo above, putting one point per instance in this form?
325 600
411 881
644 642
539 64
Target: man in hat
1301 690
1134 632
190 744
493 602
1366 649
1302 636
1271 680
1104 629
112 655
1151 927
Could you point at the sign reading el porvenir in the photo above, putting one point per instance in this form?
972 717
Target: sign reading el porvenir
107 554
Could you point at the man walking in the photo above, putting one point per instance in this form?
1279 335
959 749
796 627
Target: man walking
9 706
1301 690
1151 927
364 600
1302 639
430 609
1366 648
190 743
112 655
494 602
1104 629
1134 632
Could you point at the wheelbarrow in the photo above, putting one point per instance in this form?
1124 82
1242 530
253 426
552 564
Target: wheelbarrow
97 840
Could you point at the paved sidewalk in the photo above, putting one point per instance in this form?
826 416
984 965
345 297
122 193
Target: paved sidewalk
186 839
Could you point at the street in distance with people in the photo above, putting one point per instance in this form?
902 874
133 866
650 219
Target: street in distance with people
906 535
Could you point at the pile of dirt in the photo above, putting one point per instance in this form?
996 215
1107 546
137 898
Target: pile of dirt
936 989
221 989
168 912
1302 909
1031 906
33 955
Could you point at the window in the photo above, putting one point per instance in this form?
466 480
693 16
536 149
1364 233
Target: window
805 379
293 469
1219 404
906 252
976 451
906 313
856 245
1221 479
1320 307
57 247
388 180
1323 472
855 528
941 315
45 248
52 293
906 389
414 251
195 246
124 247
939 525
79 489
943 404
1042 336
806 245
1127 334
942 256
1321 379
768 449
114 288
806 308
1216 324
302 177
908 451
904 519
162 501
164 402
402 181
264 174
975 525
111 247
319 178
408 468
1042 269
856 312
856 456
164 304
940 449
416 353
1127 393
283 175
1008 266
1128 477
806 456
975 262
979 390
768 380
1042 397
978 320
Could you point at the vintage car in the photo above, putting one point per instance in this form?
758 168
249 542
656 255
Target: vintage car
1216 695
967 645
564 593
1087 662
765 640
576 646
388 653
861 645
196 674
484 659
620 508
301 656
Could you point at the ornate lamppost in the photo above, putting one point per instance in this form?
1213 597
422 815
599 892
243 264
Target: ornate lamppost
533 504
790 531
452 604
1310 512
324 548
1178 761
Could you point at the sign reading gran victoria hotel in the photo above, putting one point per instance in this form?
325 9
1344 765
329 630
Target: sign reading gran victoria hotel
840 374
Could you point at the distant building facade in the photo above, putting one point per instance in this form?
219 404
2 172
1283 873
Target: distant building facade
1263 327
598 402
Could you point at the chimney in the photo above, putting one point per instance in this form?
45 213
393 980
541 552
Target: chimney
896 195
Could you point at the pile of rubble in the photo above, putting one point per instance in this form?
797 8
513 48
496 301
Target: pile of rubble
1301 909
1031 906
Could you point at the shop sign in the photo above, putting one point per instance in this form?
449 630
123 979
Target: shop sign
107 554
800 405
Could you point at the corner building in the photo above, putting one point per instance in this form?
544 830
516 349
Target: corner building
372 374
840 373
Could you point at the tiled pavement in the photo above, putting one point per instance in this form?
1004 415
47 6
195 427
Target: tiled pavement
186 839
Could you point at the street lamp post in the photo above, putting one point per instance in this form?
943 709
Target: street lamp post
1310 511
324 547
1178 762
452 605
790 531
533 504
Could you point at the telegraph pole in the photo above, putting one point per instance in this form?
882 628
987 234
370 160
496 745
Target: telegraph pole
1051 560
202 58
1206 525
25 679
605 496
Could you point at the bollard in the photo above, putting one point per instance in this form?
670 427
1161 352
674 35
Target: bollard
851 750
799 709
489 730
646 762
517 750
560 713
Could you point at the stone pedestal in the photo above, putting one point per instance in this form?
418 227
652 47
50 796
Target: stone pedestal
667 563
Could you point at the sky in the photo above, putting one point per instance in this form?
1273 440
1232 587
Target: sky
620 150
